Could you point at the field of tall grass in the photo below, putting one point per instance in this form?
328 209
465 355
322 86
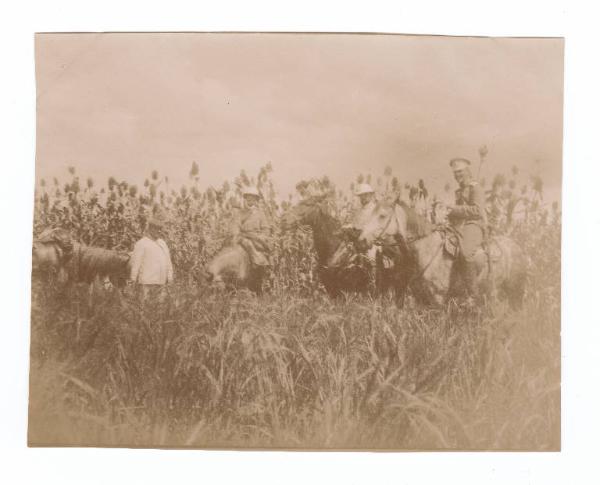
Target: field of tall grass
291 368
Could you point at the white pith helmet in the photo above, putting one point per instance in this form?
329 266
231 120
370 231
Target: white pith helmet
364 189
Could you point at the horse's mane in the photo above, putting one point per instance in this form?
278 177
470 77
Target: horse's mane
316 201
325 227
417 225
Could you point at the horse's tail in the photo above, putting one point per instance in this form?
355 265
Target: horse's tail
515 266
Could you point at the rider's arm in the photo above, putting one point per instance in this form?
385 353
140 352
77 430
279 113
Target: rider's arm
265 223
135 263
475 207
236 225
261 229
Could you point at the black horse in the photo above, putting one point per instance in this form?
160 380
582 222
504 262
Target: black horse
328 238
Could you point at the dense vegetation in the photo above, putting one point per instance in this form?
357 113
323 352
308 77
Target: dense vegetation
291 368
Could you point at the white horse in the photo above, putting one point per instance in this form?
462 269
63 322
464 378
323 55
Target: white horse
429 253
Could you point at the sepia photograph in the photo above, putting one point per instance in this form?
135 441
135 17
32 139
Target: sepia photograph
297 241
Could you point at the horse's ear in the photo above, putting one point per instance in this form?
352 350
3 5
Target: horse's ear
387 200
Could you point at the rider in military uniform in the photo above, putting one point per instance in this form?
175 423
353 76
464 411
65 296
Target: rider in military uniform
468 216
251 229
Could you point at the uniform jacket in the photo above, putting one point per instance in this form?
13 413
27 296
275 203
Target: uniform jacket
151 262
470 206
251 229
251 222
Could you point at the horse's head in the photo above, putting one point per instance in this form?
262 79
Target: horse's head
51 249
439 212
305 213
44 256
387 220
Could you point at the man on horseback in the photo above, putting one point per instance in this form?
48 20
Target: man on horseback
356 219
251 230
468 216
366 195
346 254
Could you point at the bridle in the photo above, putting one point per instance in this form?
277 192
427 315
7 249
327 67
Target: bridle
379 240
379 237
407 241
426 267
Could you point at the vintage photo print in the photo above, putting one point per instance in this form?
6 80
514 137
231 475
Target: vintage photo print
297 241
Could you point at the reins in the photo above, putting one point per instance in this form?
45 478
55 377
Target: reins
422 272
407 242
385 228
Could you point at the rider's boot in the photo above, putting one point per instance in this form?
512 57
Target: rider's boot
471 274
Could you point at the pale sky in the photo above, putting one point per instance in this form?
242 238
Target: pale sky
311 104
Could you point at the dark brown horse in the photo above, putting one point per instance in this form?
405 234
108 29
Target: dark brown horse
54 252
329 243
429 256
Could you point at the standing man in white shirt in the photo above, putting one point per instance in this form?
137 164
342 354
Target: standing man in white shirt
151 266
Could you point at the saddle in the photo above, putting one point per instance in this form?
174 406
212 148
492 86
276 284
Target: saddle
490 251
451 240
255 250
61 238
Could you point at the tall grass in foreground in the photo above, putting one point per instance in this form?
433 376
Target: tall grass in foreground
207 369
290 368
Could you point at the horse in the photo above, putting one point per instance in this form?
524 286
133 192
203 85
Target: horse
429 253
50 252
329 240
55 253
232 267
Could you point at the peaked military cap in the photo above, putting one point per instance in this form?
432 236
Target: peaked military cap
459 163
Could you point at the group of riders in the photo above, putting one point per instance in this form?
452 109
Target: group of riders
467 216
149 264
